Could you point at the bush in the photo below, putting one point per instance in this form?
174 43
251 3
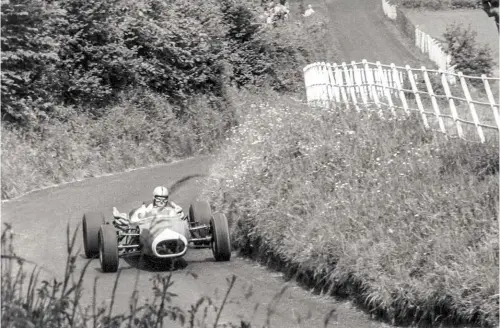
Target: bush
466 54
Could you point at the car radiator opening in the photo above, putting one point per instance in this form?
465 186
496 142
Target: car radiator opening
168 247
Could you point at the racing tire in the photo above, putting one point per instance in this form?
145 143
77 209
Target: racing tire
91 223
221 241
200 213
108 248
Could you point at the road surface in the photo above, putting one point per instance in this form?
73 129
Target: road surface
361 31
39 221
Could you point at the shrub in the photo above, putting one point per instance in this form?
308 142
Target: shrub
466 54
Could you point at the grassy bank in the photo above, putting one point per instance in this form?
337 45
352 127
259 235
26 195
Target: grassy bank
143 129
400 220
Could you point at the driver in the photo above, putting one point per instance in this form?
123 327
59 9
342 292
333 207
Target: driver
160 201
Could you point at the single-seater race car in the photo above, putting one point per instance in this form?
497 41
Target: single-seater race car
164 234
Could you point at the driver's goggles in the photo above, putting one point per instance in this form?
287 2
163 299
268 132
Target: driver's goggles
161 199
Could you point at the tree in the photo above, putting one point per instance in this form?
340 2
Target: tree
28 55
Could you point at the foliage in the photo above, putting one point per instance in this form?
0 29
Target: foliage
175 59
29 52
94 63
469 57
83 54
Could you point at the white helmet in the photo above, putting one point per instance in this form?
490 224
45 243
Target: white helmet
160 196
160 192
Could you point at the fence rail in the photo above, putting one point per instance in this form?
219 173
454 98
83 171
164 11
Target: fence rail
459 105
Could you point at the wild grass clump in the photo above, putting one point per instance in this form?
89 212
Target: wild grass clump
402 220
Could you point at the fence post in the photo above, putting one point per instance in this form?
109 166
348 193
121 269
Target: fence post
417 96
472 108
454 113
491 99
351 86
333 82
340 81
371 83
387 93
402 96
435 105
359 82
417 37
328 84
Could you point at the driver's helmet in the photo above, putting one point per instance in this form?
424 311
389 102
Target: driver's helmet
160 196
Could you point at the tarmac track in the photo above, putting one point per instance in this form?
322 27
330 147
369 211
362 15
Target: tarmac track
360 31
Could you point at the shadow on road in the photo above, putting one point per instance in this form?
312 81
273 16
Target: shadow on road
150 265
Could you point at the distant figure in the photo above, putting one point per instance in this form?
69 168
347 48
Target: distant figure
309 11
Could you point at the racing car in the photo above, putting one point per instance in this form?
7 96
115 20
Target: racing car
165 235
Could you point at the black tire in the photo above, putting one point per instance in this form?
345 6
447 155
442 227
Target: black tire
200 212
221 241
91 223
108 248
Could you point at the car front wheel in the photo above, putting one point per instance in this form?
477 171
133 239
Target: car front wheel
108 248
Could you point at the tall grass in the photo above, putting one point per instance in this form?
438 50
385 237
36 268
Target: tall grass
143 129
403 221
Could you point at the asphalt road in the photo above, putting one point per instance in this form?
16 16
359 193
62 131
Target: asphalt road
361 31
39 221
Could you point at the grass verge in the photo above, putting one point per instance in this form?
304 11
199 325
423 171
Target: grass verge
402 221
144 129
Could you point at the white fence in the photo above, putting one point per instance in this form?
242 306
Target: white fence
433 48
424 41
465 109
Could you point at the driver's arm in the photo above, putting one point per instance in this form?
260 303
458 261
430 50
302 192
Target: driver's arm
177 208
138 213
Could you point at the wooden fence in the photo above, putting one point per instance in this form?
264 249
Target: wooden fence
451 103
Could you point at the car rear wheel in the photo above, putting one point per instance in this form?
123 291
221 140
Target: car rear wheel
221 241
108 248
200 213
91 222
